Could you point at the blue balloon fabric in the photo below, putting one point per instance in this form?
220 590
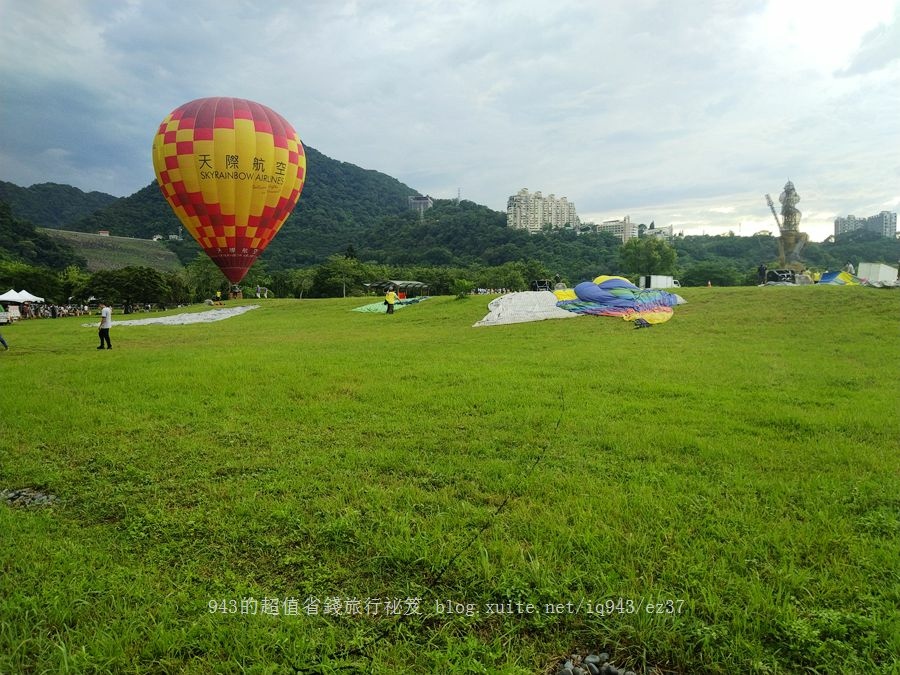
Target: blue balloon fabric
619 297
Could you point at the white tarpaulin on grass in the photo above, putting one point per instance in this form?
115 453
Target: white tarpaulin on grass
182 319
523 307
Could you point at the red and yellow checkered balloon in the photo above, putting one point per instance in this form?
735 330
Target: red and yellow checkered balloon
232 170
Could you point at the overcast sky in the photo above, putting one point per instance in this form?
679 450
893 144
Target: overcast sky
680 112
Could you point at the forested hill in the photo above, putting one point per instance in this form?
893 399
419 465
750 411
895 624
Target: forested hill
335 194
20 241
51 204
339 201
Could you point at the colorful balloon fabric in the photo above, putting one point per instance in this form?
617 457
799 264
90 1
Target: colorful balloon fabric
232 170
839 279
616 296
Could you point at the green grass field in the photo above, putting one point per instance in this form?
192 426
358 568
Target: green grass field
303 488
112 253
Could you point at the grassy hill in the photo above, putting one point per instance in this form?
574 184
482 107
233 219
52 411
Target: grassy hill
305 489
110 253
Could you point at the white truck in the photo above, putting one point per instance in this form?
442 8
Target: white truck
877 272
657 281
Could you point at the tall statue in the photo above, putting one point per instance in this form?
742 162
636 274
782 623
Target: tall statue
792 240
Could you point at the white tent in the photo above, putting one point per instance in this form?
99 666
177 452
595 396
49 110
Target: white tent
28 297
10 296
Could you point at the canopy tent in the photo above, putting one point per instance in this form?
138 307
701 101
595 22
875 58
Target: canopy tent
28 297
19 297
404 287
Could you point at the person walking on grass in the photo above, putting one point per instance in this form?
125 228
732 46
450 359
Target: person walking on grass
104 325
3 342
389 299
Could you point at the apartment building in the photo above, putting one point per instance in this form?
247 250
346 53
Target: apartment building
624 229
885 224
534 212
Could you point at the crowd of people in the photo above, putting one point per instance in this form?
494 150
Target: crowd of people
44 311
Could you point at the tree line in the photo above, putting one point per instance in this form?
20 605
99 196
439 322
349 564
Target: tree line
696 261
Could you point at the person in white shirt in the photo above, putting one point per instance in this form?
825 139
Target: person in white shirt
105 325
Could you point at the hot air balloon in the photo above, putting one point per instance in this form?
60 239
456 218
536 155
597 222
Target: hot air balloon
232 170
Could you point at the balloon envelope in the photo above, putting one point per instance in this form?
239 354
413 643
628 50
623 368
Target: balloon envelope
232 170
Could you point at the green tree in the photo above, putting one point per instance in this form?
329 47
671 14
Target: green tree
129 285
179 291
74 280
204 278
302 281
462 288
256 276
292 283
649 255
716 272
339 275
104 286
21 241
37 280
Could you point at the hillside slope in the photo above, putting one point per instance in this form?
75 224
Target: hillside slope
109 253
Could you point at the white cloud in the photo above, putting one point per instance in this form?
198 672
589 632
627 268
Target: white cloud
637 107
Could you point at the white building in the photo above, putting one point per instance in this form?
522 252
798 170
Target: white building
420 204
885 224
664 233
534 212
624 229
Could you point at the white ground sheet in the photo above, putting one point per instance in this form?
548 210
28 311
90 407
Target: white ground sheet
522 307
182 319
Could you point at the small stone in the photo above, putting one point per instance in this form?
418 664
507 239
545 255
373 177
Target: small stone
578 670
604 657
592 658
593 669
630 672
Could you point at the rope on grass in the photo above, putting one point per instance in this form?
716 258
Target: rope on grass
383 629
506 500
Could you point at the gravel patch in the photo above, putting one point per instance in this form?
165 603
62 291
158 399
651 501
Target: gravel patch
27 497
592 664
